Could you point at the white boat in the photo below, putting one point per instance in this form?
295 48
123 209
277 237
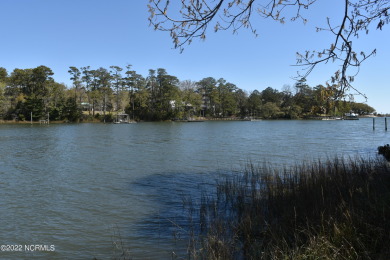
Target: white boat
351 116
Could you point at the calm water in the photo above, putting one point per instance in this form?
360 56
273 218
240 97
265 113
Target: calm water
83 187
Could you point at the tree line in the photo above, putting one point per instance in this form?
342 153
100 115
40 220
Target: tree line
103 92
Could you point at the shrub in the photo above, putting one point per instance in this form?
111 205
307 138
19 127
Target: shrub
385 151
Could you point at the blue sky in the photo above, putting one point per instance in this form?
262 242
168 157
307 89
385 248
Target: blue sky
101 33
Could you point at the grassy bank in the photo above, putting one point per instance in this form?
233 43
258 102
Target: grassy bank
337 209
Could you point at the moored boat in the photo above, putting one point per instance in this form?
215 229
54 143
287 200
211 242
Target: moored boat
351 116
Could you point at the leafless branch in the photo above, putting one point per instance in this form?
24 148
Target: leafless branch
195 16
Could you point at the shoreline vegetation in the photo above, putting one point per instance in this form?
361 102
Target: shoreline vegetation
111 118
334 209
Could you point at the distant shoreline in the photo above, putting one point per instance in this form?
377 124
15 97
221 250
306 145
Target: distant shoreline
14 122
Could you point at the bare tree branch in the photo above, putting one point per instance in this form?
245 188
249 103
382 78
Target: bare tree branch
195 16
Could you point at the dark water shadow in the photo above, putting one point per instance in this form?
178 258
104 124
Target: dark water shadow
175 197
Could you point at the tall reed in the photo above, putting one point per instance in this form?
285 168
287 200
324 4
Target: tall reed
333 209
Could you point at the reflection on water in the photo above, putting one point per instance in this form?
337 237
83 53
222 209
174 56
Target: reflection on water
77 186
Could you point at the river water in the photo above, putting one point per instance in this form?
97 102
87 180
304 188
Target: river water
79 190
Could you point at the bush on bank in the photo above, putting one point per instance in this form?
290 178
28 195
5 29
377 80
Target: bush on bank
385 151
